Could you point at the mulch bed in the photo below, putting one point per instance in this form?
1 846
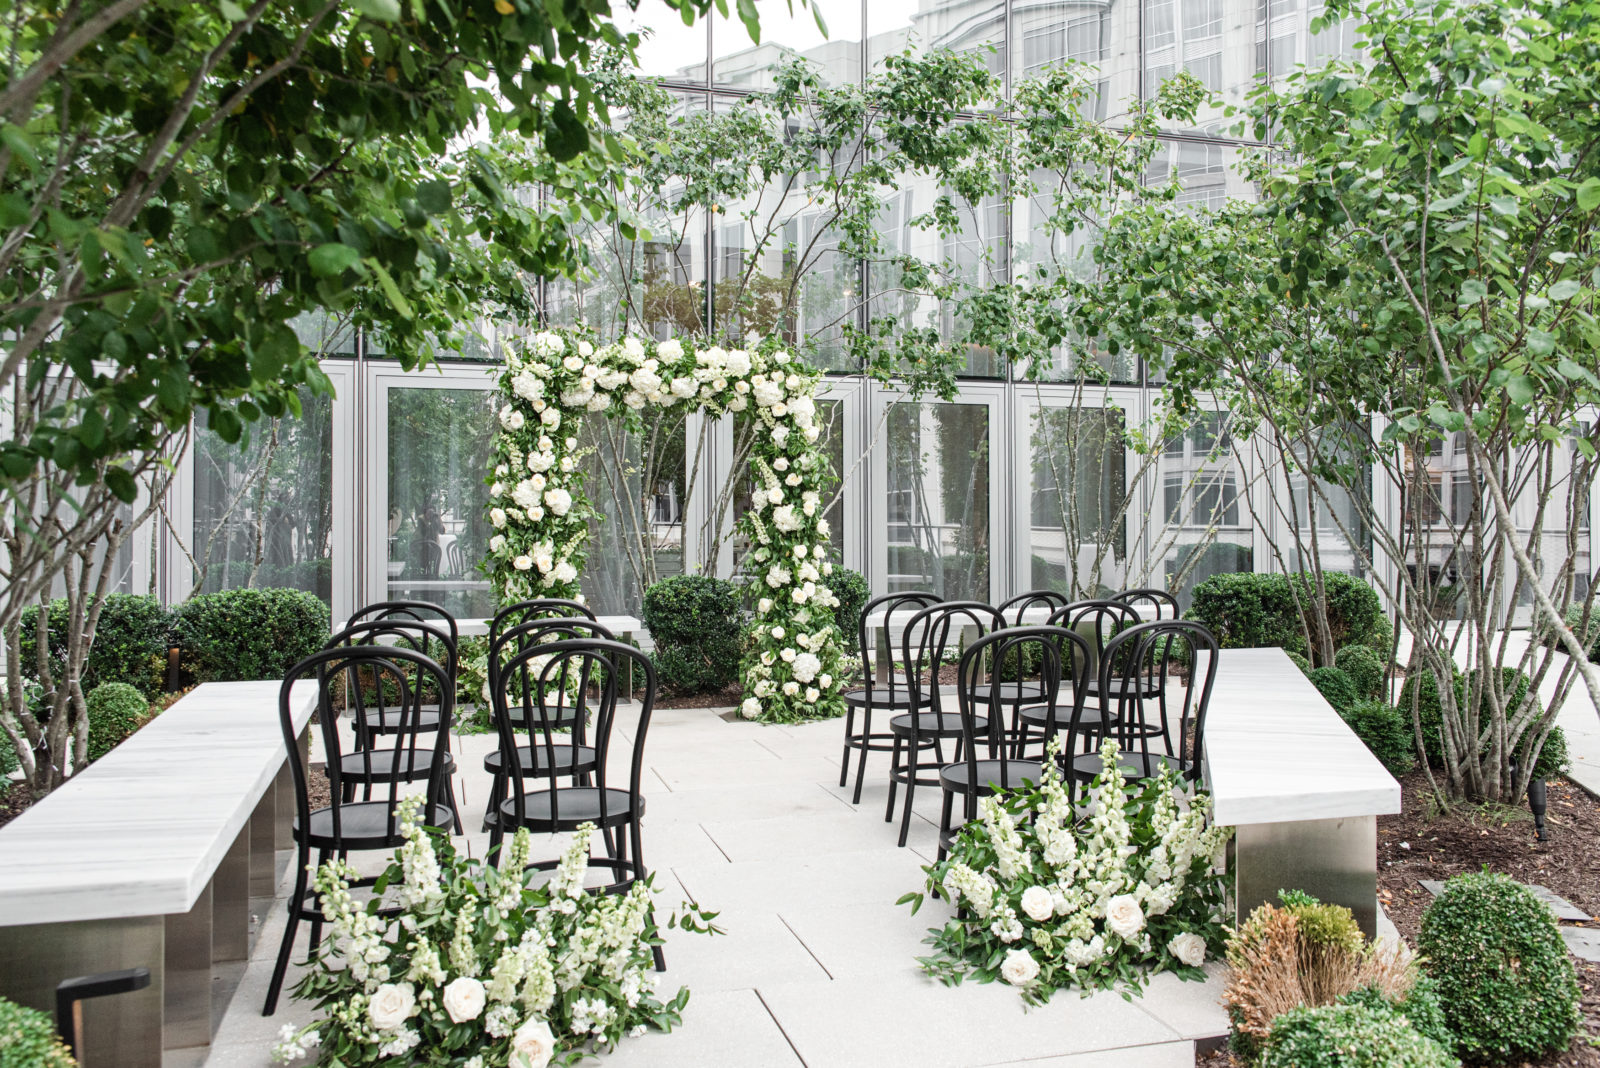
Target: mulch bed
14 801
1421 844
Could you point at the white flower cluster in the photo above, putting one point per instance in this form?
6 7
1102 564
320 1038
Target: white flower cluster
1068 899
534 972
541 517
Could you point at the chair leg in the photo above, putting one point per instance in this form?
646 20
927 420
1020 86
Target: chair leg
844 762
912 768
497 794
861 765
286 947
944 822
450 796
316 921
894 781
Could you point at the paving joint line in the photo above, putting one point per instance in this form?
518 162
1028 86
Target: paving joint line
779 1025
805 947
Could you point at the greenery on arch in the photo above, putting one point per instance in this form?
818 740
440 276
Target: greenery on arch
795 662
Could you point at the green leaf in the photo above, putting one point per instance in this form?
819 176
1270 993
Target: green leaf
565 136
1521 389
1589 194
231 11
1565 289
382 10
396 299
1571 370
1473 289
434 197
119 482
333 258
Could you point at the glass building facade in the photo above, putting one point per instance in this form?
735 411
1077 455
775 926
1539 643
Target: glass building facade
1018 483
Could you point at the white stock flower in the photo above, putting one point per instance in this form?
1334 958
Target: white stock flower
1019 968
391 1005
1124 918
532 1045
751 708
464 999
1189 948
558 500
1037 903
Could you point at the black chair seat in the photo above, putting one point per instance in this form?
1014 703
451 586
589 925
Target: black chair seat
1011 693
880 697
954 777
364 825
573 760
563 719
1134 765
1039 715
1151 686
579 804
402 765
940 724
387 721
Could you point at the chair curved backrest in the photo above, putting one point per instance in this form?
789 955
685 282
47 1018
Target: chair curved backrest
538 608
1097 620
420 611
1017 607
411 671
393 632
520 685
933 634
578 679
912 601
1166 605
1134 672
1058 651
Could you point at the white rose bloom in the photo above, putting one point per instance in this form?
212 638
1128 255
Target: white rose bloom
777 632
751 708
543 460
548 345
819 551
532 1045
497 543
780 434
793 479
511 419
545 444
825 528
812 694
568 465
464 999
764 605
1189 948
804 410
585 349
558 501
1037 903
551 418
811 433
1019 968
526 492
785 519
544 560
825 680
781 464
497 516
767 394
633 399
1124 917
806 666
670 349
738 404
791 688
573 363
780 409
565 572
787 656
391 1005
572 443
523 563
758 499
799 552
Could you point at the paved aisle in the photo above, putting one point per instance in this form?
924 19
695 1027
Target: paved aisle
817 967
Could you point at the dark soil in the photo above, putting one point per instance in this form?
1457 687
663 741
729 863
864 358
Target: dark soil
317 786
730 697
14 801
1422 844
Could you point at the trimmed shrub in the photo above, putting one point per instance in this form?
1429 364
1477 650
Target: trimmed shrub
1588 637
130 642
697 626
246 634
116 710
1421 1007
1505 980
28 1039
1553 758
1336 686
1386 731
1365 668
1350 1036
853 593
1300 662
1248 611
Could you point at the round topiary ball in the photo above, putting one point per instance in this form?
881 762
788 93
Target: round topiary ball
1365 669
1350 1036
1336 686
116 710
1505 980
28 1039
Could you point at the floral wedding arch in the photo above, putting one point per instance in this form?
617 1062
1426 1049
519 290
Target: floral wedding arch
794 665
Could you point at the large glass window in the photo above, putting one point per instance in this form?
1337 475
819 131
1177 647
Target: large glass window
937 499
1203 525
637 483
439 442
1077 539
263 508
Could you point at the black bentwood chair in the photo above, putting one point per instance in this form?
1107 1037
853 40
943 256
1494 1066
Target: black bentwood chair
513 615
932 633
991 761
890 695
520 689
345 827
1165 605
414 611
1015 677
1097 622
1137 663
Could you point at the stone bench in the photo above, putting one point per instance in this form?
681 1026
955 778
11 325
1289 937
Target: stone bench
157 855
1302 790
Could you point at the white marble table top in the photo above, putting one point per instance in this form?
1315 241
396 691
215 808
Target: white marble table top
623 625
141 831
1277 752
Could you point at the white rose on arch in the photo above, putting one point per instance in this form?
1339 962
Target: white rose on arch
511 419
532 1045
785 519
1037 903
558 500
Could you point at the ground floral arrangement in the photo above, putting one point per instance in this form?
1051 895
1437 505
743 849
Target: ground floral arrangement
479 970
796 664
1046 900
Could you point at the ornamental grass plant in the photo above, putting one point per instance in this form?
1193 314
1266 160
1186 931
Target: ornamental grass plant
1047 898
480 969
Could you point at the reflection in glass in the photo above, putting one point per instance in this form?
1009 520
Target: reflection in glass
637 482
263 508
1202 527
1078 522
938 499
830 415
438 452
921 26
787 35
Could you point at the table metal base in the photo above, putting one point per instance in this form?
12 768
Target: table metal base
1335 861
